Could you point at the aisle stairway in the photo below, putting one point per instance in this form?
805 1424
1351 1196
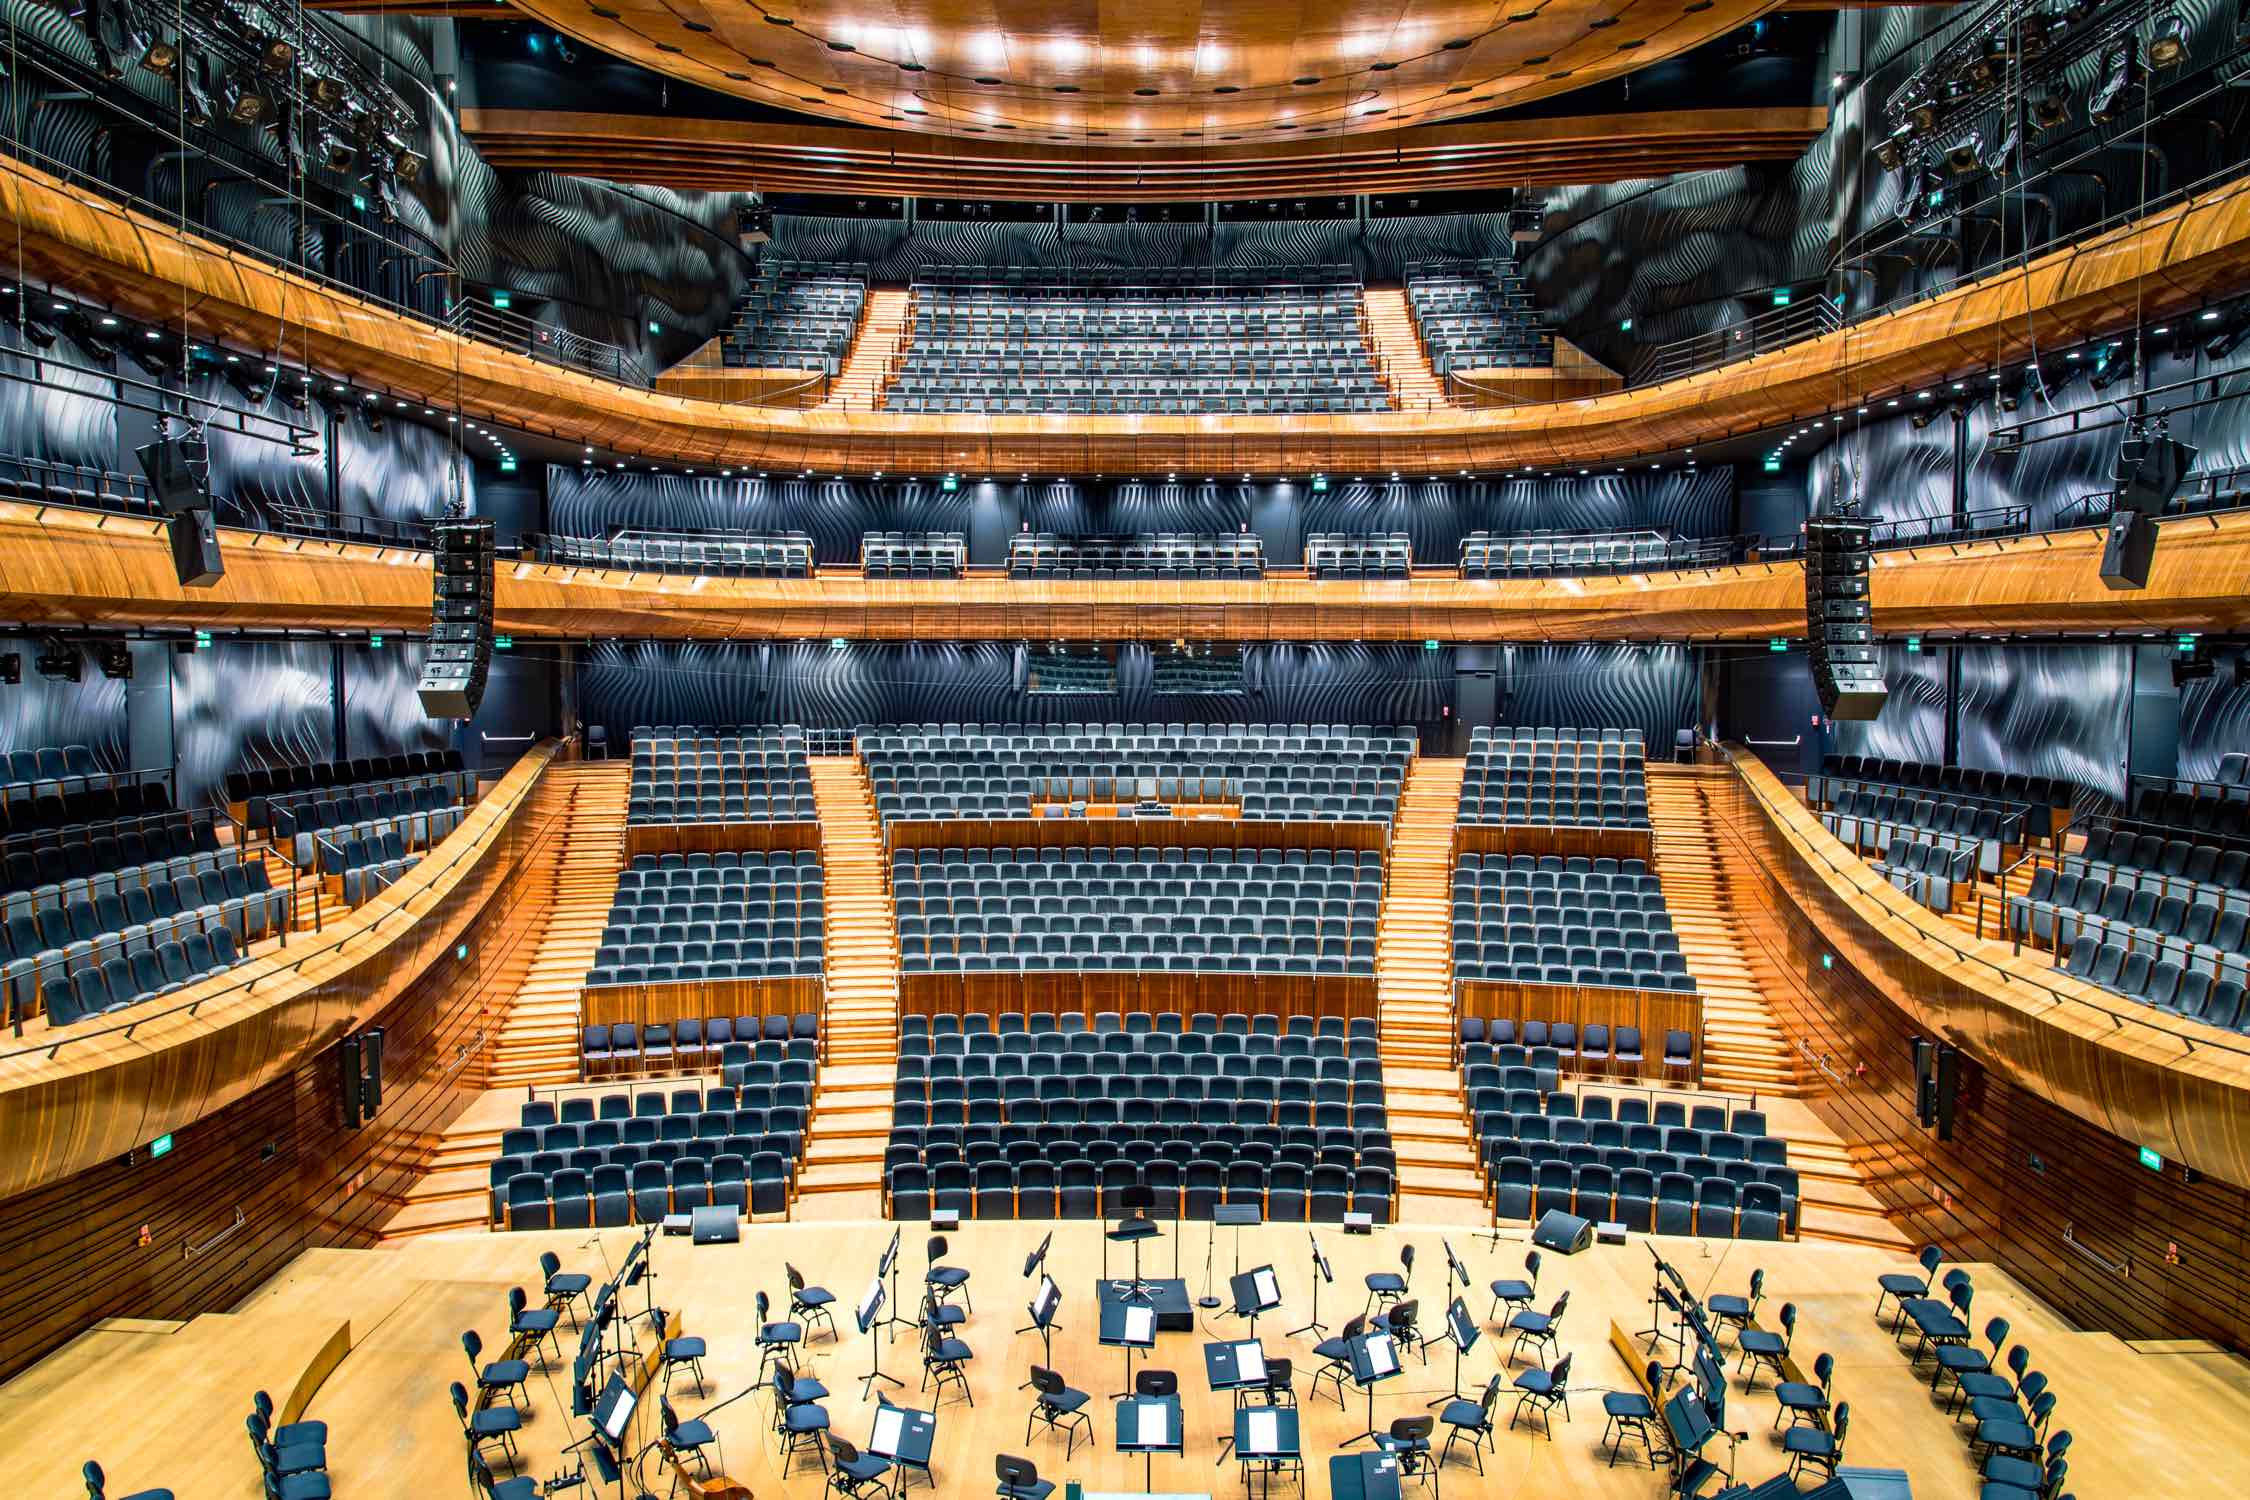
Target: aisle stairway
535 1040
1438 1180
843 1168
1397 346
1744 1051
883 330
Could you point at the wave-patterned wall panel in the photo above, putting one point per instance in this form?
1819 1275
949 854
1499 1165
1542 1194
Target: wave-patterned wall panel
1656 689
1135 508
835 512
38 714
382 711
402 473
1438 513
1911 724
2048 711
250 703
2214 718
65 421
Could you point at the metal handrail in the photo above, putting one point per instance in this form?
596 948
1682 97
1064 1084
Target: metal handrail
1758 335
1933 929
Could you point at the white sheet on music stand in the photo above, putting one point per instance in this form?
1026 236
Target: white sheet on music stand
1153 1425
621 1415
1268 1292
1140 1325
1382 1359
1263 1432
890 1422
1249 1362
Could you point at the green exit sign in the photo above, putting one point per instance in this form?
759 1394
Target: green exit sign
1828 960
359 203
1913 645
1319 483
375 642
1781 296
654 326
1773 462
507 466
2187 645
951 483
1777 644
2151 1160
203 640
499 299
162 1146
1625 326
1429 645
503 642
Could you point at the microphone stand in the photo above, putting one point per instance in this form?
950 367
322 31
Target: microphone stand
1209 1300
1315 1326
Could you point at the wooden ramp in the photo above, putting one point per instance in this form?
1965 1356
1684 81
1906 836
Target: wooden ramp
843 1167
535 1040
1744 1050
1436 1157
884 327
1397 346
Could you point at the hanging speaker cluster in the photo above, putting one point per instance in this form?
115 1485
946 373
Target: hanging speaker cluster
461 619
1847 665
179 480
2150 467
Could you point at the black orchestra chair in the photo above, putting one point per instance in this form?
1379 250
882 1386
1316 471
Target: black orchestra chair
1516 1294
1736 1312
1818 1447
943 1280
1337 1352
777 1342
97 1485
1280 1388
1019 1479
288 1432
536 1323
488 1424
1807 1400
809 1302
1386 1287
850 1471
1060 1407
1408 1441
803 1424
687 1439
565 1289
501 1374
1538 1329
1543 1390
1473 1418
1634 1413
521 1487
943 1356
688 1349
1761 1349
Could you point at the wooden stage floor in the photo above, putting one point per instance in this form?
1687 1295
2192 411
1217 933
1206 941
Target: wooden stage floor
164 1406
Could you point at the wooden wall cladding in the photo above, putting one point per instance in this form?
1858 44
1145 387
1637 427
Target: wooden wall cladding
159 1238
1654 1012
2171 261
718 838
1541 838
2028 1181
647 1004
1057 992
77 567
75 1097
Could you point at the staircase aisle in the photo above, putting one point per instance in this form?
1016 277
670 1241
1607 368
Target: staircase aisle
536 1038
1438 1181
1397 346
1744 1051
883 330
842 1174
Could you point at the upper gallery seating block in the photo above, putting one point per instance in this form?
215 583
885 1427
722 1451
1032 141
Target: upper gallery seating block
1043 554
1289 772
913 554
1550 777
1475 316
1290 341
720 776
1390 555
707 554
1575 554
796 316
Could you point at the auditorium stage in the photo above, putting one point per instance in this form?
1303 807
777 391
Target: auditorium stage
2149 1424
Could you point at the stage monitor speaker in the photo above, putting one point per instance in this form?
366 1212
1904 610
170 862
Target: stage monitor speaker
714 1224
460 652
2129 551
179 472
195 548
1925 1085
1566 1233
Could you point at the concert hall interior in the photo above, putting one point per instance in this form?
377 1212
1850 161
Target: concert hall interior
1326 750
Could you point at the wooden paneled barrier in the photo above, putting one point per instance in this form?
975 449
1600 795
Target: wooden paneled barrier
1056 992
80 567
2055 1099
1543 838
718 838
1654 1012
1131 833
2171 261
661 1004
117 1081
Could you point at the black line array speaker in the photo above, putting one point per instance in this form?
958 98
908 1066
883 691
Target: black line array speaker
350 1094
179 472
1847 665
2130 549
461 619
195 548
1948 1088
2150 466
371 1072
1566 1233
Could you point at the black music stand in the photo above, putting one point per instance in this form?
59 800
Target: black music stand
1321 1272
1128 1326
1454 1272
869 1316
1033 1264
1046 1301
1256 1291
1265 1439
1149 1425
1374 1359
1461 1328
888 1266
1133 1231
1238 1368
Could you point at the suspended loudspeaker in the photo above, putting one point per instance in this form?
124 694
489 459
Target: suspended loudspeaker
2129 551
461 619
195 548
1847 665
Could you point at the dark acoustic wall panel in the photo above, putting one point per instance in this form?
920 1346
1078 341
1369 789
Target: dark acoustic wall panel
402 473
64 421
2214 718
2058 1204
382 711
1437 513
1378 248
1911 725
2048 711
256 480
1134 507
250 703
835 512
37 714
1656 689
623 684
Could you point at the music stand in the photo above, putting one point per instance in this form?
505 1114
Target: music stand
1255 1291
1461 1328
1046 1301
1132 1231
1149 1425
1128 1326
868 1315
1033 1264
905 1437
1374 1358
1321 1272
888 1266
1265 1439
1237 1367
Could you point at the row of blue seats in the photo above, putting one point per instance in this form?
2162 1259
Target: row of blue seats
1643 1201
642 1130
1498 1112
1284 1194
608 1196
1134 1023
1143 1042
1544 1099
784 1135
690 1042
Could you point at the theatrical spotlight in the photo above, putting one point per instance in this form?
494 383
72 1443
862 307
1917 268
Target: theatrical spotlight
58 660
159 56
2051 111
245 104
2121 69
116 659
1962 160
325 92
336 152
406 162
1890 151
274 54
2229 337
1923 416
2167 41
2112 363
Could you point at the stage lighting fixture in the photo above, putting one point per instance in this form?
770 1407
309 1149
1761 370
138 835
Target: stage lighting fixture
97 342
116 659
274 54
2167 41
406 162
336 152
2112 363
1924 416
1890 152
58 660
159 56
325 92
1962 160
2121 68
2051 111
245 105
2228 338
1922 117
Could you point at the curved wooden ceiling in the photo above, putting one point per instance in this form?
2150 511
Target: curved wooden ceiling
730 156
1210 71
